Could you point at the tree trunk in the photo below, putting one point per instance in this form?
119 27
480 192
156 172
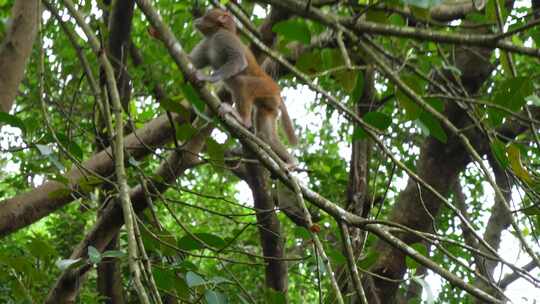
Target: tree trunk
16 48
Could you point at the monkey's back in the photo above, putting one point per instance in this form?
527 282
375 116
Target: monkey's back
254 69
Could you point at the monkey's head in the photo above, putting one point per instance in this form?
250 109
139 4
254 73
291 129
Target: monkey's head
214 20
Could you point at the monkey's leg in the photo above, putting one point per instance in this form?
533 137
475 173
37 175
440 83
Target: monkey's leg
266 129
244 107
255 89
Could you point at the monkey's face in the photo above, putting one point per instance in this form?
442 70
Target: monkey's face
214 20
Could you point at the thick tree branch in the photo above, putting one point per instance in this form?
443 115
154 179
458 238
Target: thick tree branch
16 49
361 27
272 241
27 208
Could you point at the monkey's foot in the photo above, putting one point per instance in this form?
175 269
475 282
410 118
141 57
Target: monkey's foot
225 108
247 124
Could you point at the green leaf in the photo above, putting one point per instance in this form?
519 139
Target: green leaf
347 79
272 296
185 131
511 94
189 243
164 278
358 90
219 280
310 62
40 249
214 297
336 256
359 133
172 106
491 13
534 33
216 151
422 3
514 156
132 161
149 241
368 260
534 99
68 263
93 255
193 97
396 19
376 16
13 121
89 183
505 63
327 56
44 150
433 126
166 241
194 280
412 110
212 240
435 103
476 17
302 233
499 151
421 248
420 13
293 30
70 145
533 211
378 120
113 254
181 287
515 92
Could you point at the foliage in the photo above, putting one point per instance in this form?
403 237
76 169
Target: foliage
207 243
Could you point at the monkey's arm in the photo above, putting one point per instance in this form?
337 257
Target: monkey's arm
199 55
232 49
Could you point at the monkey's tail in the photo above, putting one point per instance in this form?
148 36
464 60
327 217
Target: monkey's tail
287 124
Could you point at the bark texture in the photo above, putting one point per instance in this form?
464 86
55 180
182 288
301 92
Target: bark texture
120 20
358 198
17 48
269 228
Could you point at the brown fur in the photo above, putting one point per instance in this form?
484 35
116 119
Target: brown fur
233 63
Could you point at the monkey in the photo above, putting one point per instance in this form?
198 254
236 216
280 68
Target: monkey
233 63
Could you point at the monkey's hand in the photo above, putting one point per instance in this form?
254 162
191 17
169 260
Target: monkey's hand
200 76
